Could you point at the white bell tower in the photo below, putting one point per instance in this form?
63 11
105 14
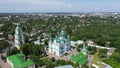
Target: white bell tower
18 37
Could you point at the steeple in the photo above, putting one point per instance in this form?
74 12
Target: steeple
84 49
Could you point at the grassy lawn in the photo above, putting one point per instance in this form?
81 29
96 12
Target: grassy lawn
97 60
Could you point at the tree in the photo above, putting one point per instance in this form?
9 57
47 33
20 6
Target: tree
92 50
13 51
85 66
116 56
49 64
39 62
3 45
27 48
103 53
112 62
78 47
37 50
53 59
46 42
26 38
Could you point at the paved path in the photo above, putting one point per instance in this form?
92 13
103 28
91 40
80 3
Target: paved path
111 50
64 57
90 59
97 46
4 64
4 53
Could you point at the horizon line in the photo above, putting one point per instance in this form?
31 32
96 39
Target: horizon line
64 12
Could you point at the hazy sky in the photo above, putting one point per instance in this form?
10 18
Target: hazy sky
59 5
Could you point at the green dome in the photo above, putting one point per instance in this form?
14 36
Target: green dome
62 33
18 26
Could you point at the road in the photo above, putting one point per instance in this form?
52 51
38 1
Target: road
64 57
4 53
90 59
4 64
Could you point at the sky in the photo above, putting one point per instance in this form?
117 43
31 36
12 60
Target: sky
59 6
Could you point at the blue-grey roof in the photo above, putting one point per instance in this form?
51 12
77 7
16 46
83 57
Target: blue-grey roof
66 66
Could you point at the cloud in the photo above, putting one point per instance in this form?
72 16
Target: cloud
58 5
45 2
31 5
69 6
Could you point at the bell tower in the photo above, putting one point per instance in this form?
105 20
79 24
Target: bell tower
19 39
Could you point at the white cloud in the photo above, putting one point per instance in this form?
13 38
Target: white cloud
58 5
30 5
69 6
45 2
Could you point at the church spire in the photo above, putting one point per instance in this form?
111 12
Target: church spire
84 49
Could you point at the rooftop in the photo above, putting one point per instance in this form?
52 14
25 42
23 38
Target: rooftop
80 58
19 61
66 66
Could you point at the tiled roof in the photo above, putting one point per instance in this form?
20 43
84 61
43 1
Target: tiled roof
80 58
19 62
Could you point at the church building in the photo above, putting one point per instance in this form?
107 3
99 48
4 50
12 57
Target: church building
59 45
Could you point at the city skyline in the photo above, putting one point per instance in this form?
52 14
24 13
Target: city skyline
59 6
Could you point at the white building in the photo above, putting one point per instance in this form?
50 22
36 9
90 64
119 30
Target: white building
60 45
89 42
73 43
79 42
37 42
19 39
